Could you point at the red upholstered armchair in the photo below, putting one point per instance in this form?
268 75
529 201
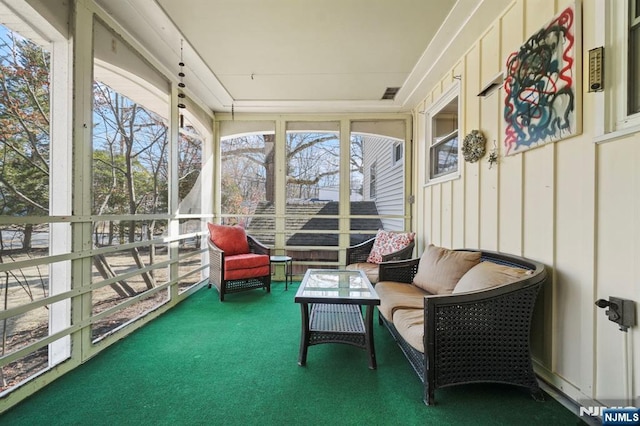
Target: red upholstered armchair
237 261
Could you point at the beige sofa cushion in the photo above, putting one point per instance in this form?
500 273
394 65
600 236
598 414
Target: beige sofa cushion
488 274
394 295
440 269
410 325
370 269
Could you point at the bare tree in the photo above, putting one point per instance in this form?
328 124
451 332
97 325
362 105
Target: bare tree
312 160
24 163
134 140
24 130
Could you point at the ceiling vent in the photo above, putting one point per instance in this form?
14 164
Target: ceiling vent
390 93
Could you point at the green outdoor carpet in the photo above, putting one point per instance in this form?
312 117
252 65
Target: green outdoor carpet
235 363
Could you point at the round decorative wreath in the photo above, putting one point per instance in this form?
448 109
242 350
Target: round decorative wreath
473 146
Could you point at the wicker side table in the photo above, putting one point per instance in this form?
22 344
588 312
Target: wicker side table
288 268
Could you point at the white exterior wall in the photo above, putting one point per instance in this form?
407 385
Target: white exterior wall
390 180
573 204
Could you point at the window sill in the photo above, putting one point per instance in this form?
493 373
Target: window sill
442 179
617 134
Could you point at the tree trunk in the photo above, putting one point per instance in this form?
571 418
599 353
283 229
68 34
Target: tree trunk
148 279
121 233
152 248
269 164
28 232
5 323
110 233
103 267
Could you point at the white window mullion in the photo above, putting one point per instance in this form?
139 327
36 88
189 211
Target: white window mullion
442 127
81 269
60 198
613 105
634 59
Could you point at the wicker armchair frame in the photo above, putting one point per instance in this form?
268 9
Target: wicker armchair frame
216 270
360 252
480 336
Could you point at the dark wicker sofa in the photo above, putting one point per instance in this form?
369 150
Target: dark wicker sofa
358 254
474 336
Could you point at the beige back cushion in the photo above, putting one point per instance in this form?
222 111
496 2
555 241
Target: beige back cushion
487 275
440 269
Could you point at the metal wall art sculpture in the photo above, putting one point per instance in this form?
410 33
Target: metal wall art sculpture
473 146
541 83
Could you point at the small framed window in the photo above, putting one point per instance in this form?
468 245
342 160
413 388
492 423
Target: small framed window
622 71
442 138
444 155
633 89
396 154
372 180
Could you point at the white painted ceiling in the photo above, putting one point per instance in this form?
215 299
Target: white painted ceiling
305 55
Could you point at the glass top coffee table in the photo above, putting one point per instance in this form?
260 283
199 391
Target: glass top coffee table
331 304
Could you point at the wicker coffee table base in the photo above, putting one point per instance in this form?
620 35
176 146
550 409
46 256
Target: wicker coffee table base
336 323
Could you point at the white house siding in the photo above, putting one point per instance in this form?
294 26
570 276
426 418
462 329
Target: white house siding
573 205
390 180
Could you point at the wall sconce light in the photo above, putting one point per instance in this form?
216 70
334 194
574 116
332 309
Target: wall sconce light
494 84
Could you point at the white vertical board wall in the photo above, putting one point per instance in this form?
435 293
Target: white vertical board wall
575 234
572 205
457 185
471 171
447 207
538 204
617 272
489 116
436 214
511 168
488 232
